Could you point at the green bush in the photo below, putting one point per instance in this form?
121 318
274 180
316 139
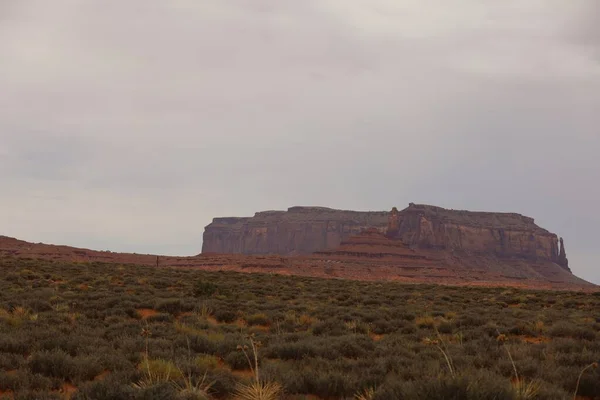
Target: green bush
203 289
258 319
446 327
56 363
13 344
326 338
331 327
225 316
10 361
171 306
206 362
37 395
237 361
566 329
105 390
461 387
292 351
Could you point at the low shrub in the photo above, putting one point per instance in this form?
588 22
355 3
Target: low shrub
55 363
58 364
93 337
13 344
425 322
171 306
225 316
204 289
446 327
258 319
237 360
206 362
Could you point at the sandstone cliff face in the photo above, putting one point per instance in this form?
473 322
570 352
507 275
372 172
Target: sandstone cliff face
499 234
304 230
299 230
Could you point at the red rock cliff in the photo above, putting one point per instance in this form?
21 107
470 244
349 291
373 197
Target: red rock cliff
299 230
499 234
303 230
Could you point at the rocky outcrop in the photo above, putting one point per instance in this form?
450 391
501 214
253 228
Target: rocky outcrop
377 255
299 230
305 230
562 256
499 234
393 227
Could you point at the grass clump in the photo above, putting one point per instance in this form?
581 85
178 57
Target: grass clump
425 322
258 389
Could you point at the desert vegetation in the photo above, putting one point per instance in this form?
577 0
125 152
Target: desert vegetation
100 331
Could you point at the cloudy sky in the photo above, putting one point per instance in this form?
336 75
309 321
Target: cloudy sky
128 125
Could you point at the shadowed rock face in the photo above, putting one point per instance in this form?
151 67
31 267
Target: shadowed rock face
562 256
304 230
299 230
499 234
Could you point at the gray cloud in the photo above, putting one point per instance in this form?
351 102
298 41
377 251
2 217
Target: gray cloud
129 125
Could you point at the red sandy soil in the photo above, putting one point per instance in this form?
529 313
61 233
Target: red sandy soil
6 394
146 313
245 374
68 389
102 376
535 340
365 261
376 337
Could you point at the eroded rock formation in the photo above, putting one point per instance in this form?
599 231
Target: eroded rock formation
393 223
562 256
499 234
305 230
299 230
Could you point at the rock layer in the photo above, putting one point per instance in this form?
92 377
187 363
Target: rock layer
299 230
305 230
477 233
372 252
368 256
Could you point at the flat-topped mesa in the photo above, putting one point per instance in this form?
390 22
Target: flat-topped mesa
229 221
475 218
305 230
299 230
498 234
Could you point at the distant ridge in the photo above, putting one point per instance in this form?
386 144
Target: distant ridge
420 244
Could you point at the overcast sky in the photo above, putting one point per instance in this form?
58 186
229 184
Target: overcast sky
128 125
